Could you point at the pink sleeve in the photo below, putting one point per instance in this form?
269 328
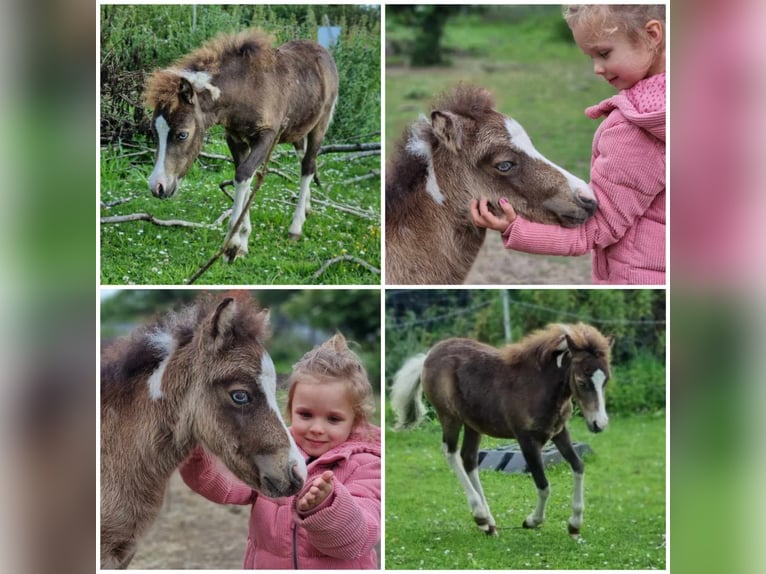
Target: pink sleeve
626 175
206 475
347 524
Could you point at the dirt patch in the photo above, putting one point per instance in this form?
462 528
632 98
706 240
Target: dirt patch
194 533
496 265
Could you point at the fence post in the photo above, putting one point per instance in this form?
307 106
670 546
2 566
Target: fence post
506 316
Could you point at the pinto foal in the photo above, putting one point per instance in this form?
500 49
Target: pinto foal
257 93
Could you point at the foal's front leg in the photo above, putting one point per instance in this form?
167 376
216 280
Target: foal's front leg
564 443
236 240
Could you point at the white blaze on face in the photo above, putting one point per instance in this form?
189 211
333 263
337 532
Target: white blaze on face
268 382
599 378
521 140
158 174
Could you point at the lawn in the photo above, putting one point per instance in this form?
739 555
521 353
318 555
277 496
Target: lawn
429 526
344 222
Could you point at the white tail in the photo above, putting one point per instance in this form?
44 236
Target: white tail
406 392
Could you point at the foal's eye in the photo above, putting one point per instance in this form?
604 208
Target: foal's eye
504 166
182 136
240 397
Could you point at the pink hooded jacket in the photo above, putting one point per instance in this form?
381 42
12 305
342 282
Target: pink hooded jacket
627 234
340 533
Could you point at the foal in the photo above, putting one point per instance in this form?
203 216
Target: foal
257 93
523 391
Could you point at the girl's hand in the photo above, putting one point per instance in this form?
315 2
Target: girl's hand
483 217
321 488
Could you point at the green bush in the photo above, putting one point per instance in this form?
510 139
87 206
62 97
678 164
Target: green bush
637 387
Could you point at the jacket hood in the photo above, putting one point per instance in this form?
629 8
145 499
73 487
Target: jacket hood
643 105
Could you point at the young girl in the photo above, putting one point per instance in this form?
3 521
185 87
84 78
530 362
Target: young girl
627 234
334 522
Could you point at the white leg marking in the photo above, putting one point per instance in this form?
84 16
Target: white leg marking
158 173
538 516
473 477
578 501
241 196
475 500
520 139
598 379
296 227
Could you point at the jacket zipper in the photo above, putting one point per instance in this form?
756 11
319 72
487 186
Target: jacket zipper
295 547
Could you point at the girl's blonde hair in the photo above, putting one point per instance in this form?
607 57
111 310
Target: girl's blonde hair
333 361
628 19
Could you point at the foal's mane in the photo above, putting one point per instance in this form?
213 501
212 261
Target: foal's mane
540 346
465 100
132 358
163 86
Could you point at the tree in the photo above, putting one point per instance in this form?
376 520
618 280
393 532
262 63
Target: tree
430 20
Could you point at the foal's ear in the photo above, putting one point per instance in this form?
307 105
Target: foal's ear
186 91
223 317
263 318
447 129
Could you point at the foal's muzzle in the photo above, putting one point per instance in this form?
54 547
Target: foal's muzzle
163 190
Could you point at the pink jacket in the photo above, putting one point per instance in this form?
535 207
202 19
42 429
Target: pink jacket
341 533
627 234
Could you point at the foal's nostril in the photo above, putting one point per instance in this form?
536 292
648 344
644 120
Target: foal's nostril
296 480
588 203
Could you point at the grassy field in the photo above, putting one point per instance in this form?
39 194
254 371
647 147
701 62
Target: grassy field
536 76
429 526
147 254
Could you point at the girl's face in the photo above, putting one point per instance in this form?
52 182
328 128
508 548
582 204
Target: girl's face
620 61
322 416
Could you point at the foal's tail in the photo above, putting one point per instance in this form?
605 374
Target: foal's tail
407 393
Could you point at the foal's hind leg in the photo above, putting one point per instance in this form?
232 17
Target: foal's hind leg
469 454
476 502
309 172
530 448
564 444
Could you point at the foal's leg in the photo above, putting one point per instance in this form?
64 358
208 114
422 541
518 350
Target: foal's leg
308 169
236 243
480 512
469 453
564 444
450 433
530 448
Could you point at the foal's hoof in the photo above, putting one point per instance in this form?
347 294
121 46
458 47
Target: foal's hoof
231 253
574 532
485 526
294 236
528 525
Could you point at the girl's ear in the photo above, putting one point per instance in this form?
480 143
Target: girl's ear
655 31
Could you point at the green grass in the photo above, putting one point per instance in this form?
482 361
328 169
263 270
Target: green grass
536 77
429 526
141 253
